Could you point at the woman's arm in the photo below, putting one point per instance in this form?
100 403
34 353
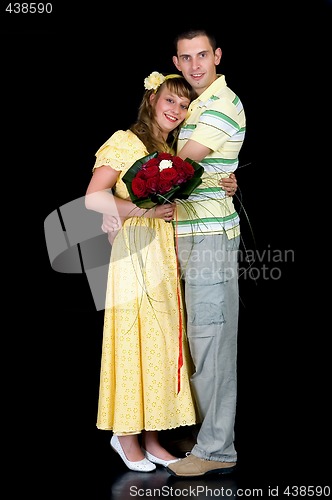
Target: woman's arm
99 197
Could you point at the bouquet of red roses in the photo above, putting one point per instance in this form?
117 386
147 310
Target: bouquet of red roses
160 178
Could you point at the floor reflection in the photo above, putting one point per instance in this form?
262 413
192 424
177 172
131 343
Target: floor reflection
159 483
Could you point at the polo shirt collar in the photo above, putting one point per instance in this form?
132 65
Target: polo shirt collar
215 87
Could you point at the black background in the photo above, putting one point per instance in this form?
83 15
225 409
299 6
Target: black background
70 80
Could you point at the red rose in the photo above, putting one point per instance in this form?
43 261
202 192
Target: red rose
169 174
165 186
151 171
140 175
184 169
188 168
177 161
165 156
139 187
152 184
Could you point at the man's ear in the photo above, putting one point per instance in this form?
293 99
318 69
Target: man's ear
176 62
217 56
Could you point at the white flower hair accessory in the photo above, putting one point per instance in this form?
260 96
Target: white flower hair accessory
155 79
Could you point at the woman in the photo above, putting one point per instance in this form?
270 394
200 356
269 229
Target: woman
143 314
145 357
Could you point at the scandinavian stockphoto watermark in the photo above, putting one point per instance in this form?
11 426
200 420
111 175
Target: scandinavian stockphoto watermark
265 264
255 264
76 244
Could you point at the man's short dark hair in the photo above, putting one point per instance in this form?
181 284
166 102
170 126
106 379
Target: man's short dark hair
192 33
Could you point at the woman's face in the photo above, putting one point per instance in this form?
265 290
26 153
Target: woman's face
170 109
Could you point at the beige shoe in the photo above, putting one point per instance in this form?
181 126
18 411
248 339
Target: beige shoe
194 466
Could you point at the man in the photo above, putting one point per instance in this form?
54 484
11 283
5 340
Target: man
208 241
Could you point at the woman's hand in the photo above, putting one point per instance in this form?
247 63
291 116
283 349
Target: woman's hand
229 184
165 212
111 223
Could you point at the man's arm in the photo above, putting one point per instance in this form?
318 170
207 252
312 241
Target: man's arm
197 152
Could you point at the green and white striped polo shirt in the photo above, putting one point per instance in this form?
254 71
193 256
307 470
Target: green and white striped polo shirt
216 119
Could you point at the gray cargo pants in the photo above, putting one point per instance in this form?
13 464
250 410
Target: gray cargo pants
209 268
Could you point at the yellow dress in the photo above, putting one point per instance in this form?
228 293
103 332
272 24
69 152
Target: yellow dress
140 352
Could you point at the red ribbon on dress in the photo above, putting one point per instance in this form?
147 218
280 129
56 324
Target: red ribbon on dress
178 288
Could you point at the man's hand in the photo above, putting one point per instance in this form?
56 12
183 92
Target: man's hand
229 184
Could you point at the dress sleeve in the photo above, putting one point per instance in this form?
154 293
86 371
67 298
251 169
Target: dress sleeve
115 151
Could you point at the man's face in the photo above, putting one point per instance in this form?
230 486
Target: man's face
197 62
